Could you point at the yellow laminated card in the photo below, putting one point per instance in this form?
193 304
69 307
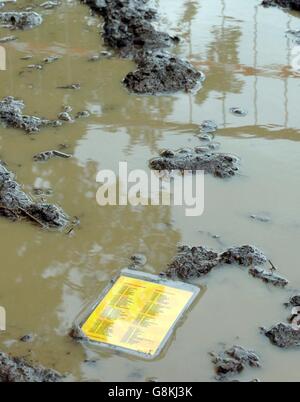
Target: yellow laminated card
138 314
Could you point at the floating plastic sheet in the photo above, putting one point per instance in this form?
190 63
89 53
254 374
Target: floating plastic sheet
137 313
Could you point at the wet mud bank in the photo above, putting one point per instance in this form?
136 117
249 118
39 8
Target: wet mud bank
290 4
14 369
128 29
196 262
16 205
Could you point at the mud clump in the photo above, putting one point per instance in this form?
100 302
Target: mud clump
161 72
13 369
137 261
21 20
15 204
196 262
11 115
237 111
245 256
283 335
129 29
292 4
192 262
233 361
217 164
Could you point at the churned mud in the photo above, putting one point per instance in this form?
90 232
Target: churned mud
20 20
200 158
233 361
128 28
11 115
15 369
15 204
195 262
292 4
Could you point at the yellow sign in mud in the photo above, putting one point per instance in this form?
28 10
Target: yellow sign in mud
136 315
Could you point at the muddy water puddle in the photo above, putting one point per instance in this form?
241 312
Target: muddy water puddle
46 278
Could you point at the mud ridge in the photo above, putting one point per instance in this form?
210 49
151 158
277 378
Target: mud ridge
196 262
128 28
15 204
200 158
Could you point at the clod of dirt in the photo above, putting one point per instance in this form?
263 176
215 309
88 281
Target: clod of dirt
15 204
283 335
208 126
234 361
20 20
83 113
217 164
129 29
138 260
192 262
292 4
28 338
65 116
45 156
11 115
161 72
237 111
294 318
245 255
14 369
50 59
268 277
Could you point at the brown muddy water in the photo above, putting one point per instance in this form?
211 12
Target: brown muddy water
46 278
